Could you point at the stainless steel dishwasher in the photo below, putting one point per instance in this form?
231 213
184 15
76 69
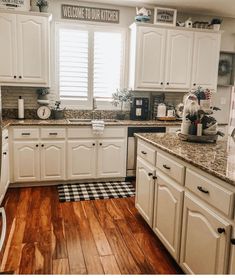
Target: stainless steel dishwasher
132 145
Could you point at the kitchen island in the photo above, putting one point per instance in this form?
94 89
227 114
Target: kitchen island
185 192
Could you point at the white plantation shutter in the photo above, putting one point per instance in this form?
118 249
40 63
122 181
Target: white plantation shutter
107 63
73 63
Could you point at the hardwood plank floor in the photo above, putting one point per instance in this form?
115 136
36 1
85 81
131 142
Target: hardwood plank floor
45 236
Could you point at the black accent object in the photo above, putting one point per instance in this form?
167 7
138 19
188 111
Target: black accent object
143 152
166 167
42 145
150 174
233 241
139 109
202 190
221 230
154 178
145 129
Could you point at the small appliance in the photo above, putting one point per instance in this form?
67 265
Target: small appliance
139 109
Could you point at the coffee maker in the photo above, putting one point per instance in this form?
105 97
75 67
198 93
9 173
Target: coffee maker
139 109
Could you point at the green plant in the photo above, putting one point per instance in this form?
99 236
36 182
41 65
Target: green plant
42 3
121 96
43 91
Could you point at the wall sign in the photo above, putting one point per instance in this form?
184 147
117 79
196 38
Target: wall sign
89 14
164 16
21 5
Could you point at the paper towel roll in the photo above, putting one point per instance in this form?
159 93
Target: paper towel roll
20 108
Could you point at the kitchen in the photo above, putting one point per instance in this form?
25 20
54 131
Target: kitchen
117 137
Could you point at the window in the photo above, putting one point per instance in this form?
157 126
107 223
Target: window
90 64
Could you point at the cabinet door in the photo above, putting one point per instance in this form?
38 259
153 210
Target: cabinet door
179 59
53 160
150 58
205 238
5 175
82 159
26 161
145 190
111 158
32 49
205 60
232 254
168 213
8 48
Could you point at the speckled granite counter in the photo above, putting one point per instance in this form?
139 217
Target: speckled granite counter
216 159
13 122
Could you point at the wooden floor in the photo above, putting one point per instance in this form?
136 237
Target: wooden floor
90 237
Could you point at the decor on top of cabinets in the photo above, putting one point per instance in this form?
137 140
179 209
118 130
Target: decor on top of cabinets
215 23
42 5
142 15
120 97
188 23
58 112
19 5
42 96
165 16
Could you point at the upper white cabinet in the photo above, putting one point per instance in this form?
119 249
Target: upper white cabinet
150 64
205 60
24 53
172 59
179 59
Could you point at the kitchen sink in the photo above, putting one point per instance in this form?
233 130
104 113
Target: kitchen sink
89 120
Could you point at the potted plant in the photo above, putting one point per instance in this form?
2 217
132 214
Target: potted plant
120 97
57 111
216 22
42 96
43 5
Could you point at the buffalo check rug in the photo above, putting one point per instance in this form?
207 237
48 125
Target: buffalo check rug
94 191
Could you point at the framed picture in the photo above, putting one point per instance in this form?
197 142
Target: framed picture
19 5
165 16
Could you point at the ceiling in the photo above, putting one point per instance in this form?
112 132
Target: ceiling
210 7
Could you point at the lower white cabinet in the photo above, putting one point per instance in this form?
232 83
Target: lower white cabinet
145 190
81 159
205 239
168 213
52 160
26 161
5 173
111 158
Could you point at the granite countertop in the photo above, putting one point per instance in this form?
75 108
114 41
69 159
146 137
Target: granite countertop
217 159
65 122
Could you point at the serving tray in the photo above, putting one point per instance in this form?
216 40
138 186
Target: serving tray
198 139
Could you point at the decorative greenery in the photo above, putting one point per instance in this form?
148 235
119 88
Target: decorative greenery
43 91
57 105
121 96
42 3
216 21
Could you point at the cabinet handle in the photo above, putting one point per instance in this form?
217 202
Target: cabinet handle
6 137
15 76
42 145
161 83
20 76
167 83
4 227
194 84
5 153
233 241
25 133
200 188
93 144
154 178
221 230
150 174
143 152
101 144
53 133
166 167
37 145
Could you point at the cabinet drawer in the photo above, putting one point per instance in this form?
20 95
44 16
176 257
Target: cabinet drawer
211 192
26 133
47 133
146 151
87 132
171 168
4 137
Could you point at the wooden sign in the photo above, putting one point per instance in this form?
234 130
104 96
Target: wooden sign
89 14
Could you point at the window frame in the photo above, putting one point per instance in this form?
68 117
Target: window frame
91 28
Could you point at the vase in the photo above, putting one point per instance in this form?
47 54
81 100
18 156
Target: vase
43 100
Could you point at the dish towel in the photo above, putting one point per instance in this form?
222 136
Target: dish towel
98 127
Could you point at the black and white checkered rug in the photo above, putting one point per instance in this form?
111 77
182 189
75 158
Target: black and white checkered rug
94 191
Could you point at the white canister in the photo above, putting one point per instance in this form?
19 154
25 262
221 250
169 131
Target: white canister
185 127
161 110
20 108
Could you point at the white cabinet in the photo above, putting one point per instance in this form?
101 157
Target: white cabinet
111 158
81 159
205 239
26 161
25 49
5 172
52 160
168 213
145 190
179 59
205 60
